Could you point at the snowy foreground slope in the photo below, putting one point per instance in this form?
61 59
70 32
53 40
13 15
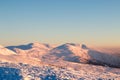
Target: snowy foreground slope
36 61
10 71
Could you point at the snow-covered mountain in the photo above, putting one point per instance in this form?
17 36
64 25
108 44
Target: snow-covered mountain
71 52
33 49
38 50
23 47
104 58
31 45
82 54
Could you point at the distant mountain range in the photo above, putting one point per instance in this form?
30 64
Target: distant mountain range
78 53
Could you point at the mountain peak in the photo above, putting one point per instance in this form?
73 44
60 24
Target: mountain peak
41 45
23 47
72 45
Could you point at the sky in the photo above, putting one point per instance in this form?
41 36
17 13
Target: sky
92 22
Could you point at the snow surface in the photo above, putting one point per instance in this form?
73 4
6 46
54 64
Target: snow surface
10 71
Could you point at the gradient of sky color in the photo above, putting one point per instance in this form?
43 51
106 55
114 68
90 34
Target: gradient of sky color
93 22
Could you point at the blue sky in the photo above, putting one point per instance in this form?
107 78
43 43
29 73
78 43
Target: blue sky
93 22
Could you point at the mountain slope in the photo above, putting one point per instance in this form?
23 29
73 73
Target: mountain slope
82 54
70 52
35 50
5 51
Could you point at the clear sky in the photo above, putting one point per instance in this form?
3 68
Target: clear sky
92 22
